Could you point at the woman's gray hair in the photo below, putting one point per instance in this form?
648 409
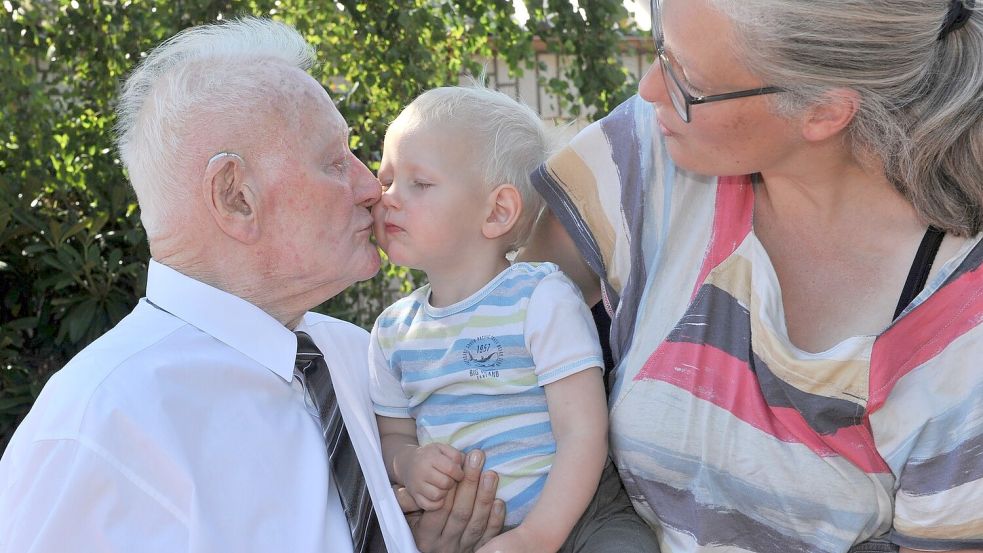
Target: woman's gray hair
510 139
206 77
921 97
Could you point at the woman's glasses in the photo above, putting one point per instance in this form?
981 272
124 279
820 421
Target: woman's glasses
682 100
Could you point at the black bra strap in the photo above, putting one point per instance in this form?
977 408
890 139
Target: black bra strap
920 267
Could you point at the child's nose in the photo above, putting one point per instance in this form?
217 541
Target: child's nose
389 199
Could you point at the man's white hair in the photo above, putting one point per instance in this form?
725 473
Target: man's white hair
206 77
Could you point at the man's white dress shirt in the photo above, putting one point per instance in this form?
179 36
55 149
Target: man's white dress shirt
183 429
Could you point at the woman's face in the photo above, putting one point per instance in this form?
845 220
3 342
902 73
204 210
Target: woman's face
731 137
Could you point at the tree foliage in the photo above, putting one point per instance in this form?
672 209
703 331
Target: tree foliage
72 251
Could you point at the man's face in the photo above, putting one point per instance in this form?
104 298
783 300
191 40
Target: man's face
316 201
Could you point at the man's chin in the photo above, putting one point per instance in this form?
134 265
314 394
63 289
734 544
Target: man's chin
372 266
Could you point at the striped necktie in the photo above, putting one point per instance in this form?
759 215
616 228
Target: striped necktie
313 372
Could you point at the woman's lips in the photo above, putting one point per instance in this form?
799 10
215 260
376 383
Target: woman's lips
664 129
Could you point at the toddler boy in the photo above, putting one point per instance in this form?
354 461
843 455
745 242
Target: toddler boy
491 355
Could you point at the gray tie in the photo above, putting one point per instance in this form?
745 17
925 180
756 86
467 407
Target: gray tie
313 370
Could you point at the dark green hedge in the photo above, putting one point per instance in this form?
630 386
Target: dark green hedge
72 251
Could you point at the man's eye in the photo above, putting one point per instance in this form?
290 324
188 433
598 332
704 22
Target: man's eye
342 163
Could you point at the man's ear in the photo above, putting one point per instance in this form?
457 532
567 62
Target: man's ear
231 201
830 115
505 206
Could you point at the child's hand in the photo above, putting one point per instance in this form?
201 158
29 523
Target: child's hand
429 471
518 540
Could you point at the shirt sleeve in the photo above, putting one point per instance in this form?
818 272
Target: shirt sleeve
560 332
69 497
385 388
600 185
939 499
931 431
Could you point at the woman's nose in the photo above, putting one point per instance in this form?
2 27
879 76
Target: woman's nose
652 86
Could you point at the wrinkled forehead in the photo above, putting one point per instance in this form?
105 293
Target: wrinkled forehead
282 114
302 101
306 112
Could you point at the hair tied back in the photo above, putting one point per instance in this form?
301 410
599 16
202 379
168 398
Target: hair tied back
957 16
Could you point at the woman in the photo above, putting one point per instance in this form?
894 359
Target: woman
799 347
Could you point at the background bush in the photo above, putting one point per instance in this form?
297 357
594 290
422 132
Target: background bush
73 254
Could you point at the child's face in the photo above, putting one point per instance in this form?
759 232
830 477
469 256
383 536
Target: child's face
433 200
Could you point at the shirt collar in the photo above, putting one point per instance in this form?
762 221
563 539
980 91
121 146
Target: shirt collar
226 317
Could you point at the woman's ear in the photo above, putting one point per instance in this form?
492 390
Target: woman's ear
831 115
505 206
231 201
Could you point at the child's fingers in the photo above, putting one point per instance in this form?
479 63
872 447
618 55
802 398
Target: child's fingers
427 504
451 453
440 481
455 472
431 491
450 463
430 497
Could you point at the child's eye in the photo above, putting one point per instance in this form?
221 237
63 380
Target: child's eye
421 184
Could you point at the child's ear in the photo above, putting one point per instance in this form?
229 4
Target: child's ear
504 208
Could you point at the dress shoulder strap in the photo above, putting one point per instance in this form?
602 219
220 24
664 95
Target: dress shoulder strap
920 267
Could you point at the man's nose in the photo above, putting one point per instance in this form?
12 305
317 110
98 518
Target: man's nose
367 187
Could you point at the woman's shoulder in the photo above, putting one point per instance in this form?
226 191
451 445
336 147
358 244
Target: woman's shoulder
943 330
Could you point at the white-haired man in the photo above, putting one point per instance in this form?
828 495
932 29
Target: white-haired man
221 415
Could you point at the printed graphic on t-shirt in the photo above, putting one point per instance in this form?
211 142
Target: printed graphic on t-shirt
482 355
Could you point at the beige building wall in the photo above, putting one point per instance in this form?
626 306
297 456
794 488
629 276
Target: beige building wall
637 55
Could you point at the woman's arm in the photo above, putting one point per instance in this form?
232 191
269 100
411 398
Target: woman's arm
551 242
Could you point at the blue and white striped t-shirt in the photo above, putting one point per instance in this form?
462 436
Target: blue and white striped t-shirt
472 374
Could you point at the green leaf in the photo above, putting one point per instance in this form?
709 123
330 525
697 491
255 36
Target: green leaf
24 323
79 318
7 402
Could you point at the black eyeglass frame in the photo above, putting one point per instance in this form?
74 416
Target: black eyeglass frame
689 99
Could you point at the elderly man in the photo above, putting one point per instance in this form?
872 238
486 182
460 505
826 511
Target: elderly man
200 422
